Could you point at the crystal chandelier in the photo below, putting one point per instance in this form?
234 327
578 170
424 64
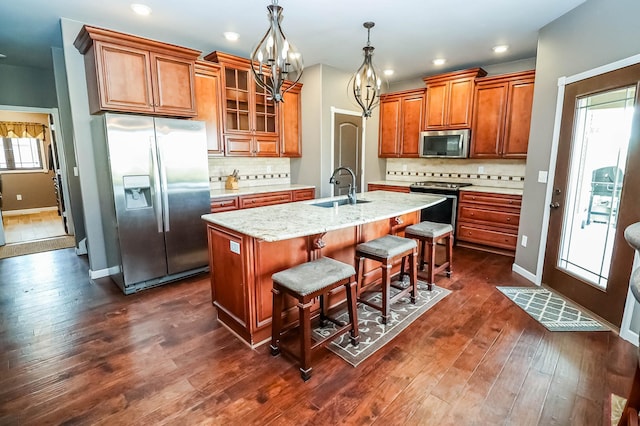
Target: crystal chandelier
366 81
275 59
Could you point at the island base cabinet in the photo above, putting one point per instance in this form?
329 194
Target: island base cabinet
229 278
242 266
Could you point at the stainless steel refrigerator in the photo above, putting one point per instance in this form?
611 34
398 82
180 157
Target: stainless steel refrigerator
160 180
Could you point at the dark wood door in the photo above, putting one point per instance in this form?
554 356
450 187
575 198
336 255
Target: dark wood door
587 258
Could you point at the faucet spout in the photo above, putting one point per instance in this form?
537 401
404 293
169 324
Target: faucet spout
352 186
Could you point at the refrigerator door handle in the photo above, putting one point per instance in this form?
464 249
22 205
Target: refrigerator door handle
156 179
164 186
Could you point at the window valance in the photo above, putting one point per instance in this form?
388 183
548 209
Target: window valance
9 129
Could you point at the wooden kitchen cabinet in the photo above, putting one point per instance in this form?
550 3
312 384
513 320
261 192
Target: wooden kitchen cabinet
401 116
489 221
303 194
502 116
208 101
126 73
249 119
290 112
268 199
224 204
449 99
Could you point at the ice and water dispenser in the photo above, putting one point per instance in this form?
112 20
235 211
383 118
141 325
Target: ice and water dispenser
137 192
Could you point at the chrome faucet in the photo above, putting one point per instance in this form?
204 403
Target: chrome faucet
352 186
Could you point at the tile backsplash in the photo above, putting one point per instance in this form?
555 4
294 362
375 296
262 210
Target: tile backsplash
496 173
252 171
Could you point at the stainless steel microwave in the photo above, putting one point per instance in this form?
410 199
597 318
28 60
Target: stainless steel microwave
445 143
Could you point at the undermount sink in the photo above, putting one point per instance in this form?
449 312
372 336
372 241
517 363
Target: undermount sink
341 202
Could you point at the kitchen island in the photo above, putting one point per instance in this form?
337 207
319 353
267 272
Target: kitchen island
247 246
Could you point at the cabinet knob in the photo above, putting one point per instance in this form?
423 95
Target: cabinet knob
508 219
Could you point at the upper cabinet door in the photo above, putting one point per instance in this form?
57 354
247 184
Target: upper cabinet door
173 90
291 122
460 103
518 119
208 101
436 105
123 79
411 124
488 123
389 127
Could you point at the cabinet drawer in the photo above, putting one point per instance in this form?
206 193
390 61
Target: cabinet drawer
393 188
224 204
249 201
493 238
304 194
499 217
491 199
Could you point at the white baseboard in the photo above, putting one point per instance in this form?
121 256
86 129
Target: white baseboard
101 273
523 272
29 211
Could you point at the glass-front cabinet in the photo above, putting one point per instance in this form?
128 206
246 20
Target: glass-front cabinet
250 124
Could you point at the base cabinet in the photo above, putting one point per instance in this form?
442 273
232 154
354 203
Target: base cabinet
393 188
489 221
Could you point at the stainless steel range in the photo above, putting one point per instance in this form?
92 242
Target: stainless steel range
445 212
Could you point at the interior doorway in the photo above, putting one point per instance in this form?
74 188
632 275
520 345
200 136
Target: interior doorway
348 147
33 191
595 192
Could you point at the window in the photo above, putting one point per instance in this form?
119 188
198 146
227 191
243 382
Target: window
21 154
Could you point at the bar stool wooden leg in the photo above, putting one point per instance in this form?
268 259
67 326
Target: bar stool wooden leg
449 254
386 291
432 263
413 275
276 321
305 342
359 273
422 253
353 317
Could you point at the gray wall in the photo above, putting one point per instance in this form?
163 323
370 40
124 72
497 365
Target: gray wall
596 33
326 87
29 87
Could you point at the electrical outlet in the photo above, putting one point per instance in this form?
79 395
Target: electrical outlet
523 243
404 167
480 170
269 169
543 176
234 247
19 197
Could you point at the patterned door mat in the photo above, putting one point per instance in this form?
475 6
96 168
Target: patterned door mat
550 310
374 334
37 246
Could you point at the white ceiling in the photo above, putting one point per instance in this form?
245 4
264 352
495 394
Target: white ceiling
407 36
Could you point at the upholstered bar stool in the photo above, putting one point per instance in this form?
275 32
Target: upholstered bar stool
387 250
305 282
429 233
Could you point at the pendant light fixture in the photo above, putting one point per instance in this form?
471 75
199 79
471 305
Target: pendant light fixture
366 81
275 59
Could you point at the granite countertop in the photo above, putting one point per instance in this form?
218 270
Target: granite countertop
291 220
220 193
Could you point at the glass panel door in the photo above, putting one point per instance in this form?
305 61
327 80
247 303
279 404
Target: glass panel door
596 176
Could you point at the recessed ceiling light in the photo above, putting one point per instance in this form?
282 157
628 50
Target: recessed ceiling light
141 9
231 36
439 61
388 72
501 48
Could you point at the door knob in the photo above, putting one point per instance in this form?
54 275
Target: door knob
554 205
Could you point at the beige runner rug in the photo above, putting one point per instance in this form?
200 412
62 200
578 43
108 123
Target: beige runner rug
38 246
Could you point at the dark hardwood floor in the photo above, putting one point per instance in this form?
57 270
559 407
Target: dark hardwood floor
80 352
